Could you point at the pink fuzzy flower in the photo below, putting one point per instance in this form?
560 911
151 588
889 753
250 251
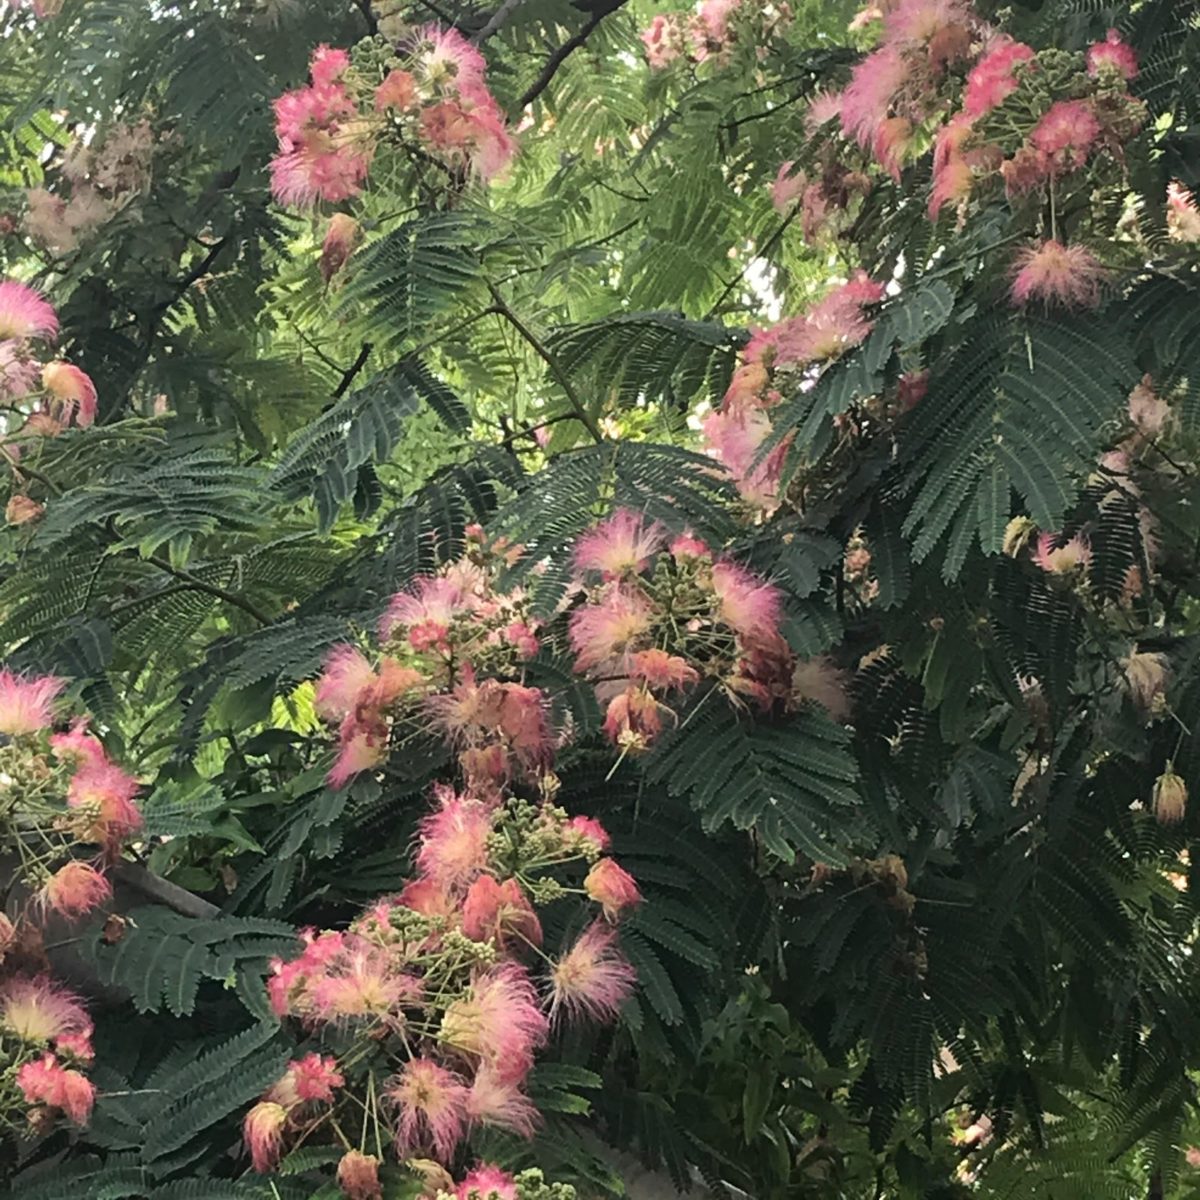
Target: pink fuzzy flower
430 602
470 130
1183 218
262 1131
589 830
787 187
663 40
500 912
363 983
452 849
398 90
358 1176
1112 54
70 389
1065 135
27 703
18 372
361 747
1148 411
323 171
306 116
621 545
24 313
313 1077
747 604
687 545
499 1021
593 979
993 78
867 100
658 669
22 510
76 1046
103 795
346 676
822 109
46 1082
77 747
327 66
607 632
487 1182
431 1105
917 24
612 887
447 60
75 889
1058 557
41 1012
734 436
1069 276
493 1101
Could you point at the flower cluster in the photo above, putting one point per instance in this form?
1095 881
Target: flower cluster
68 810
711 30
998 114
432 102
101 177
40 395
662 614
736 432
437 1000
446 642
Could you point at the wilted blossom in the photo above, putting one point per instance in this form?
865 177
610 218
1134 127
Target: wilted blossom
1169 798
1146 676
1183 218
358 1176
341 236
611 886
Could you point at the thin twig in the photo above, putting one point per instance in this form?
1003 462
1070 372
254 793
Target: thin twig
585 418
728 289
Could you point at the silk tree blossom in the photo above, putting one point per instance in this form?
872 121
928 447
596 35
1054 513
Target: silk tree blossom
620 545
45 1081
1057 275
446 60
1112 54
1057 556
27 702
501 913
745 602
1183 217
491 1100
487 1182
633 720
22 510
25 313
820 681
1065 135
431 1103
41 1012
18 371
663 39
589 831
453 847
74 889
499 1022
606 634
593 979
100 796
995 76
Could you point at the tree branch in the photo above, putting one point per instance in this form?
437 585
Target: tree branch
352 370
585 418
199 585
556 60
